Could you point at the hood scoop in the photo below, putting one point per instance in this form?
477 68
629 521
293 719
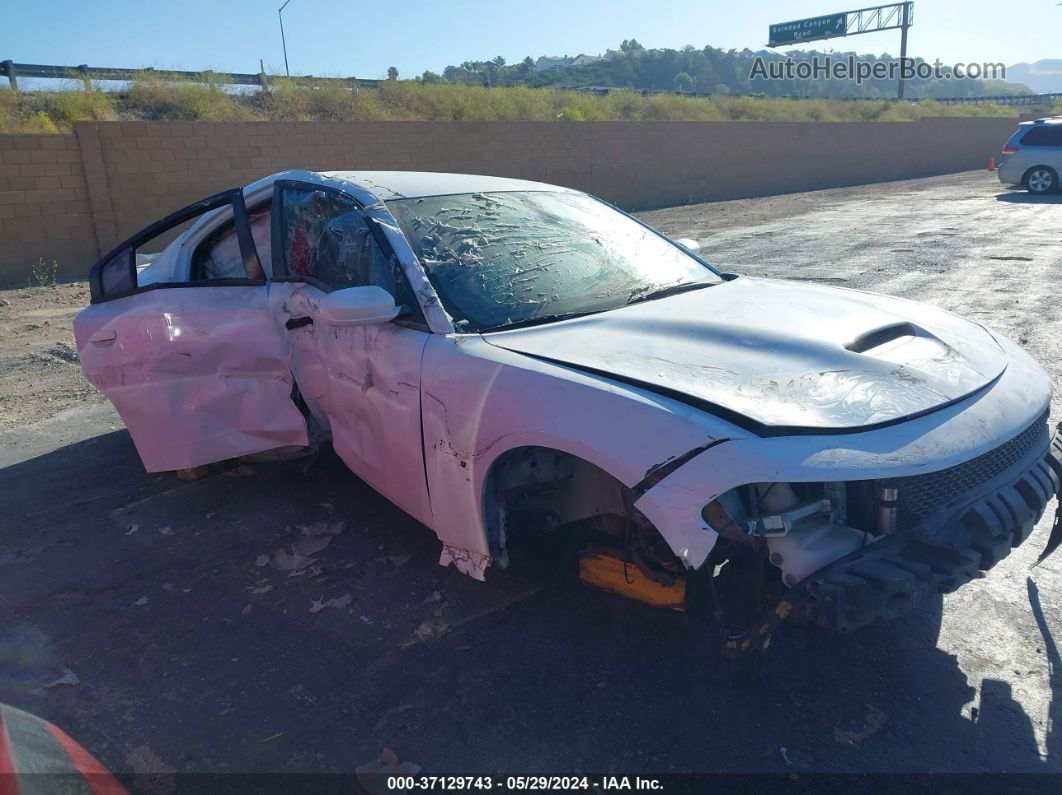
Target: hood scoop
883 335
780 357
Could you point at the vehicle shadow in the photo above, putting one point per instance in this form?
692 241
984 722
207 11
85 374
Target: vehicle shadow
184 642
1023 197
1053 740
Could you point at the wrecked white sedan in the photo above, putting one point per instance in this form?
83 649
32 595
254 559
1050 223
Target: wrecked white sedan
503 358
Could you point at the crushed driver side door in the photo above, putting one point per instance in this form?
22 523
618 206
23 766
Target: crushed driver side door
195 367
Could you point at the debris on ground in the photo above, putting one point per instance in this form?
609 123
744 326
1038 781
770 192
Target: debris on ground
785 754
143 600
166 531
372 776
192 473
310 545
261 589
241 471
427 630
435 597
68 678
152 774
283 561
247 610
321 528
875 719
399 560
339 602
133 528
261 560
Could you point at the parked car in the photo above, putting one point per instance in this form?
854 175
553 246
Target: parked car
1032 156
503 358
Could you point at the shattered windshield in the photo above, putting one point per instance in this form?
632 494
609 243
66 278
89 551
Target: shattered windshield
516 258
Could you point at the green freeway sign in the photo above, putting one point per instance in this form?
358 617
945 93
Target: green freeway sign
808 29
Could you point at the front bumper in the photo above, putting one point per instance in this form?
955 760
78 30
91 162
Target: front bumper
943 551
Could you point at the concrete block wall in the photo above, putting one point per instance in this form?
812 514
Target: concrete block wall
72 197
44 208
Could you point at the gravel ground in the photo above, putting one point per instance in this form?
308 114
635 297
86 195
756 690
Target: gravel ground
39 371
190 657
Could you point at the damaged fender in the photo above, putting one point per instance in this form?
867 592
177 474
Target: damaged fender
481 402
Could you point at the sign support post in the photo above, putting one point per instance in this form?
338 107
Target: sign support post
903 46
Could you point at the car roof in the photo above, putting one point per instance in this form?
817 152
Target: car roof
390 185
1045 120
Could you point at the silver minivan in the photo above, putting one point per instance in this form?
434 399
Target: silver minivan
1032 157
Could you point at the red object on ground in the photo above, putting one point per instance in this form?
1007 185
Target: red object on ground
992 163
30 747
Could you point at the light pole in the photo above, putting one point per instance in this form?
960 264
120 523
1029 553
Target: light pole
283 42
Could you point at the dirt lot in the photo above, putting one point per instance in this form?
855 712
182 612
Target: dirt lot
174 651
39 373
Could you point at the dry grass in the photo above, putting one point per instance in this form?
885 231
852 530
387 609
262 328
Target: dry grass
152 98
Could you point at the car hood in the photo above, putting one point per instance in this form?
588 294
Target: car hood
779 356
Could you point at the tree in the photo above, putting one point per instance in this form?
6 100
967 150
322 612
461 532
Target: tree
431 77
392 72
631 46
684 82
498 61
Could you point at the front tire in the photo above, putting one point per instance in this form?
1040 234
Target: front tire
1040 180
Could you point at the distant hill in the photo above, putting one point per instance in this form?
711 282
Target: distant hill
1043 77
705 71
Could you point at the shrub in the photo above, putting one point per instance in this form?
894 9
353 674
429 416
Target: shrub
39 122
66 107
151 97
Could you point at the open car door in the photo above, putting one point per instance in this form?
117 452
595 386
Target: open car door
196 367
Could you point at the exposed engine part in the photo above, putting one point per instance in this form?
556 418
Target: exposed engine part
888 501
716 515
837 494
773 497
810 545
802 524
780 524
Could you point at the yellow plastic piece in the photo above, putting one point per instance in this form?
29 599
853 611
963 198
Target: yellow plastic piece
599 566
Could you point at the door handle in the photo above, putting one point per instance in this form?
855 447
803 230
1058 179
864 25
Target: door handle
104 337
298 322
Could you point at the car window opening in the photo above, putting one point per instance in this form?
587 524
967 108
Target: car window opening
326 237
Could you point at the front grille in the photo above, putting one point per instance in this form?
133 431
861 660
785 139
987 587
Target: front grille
920 495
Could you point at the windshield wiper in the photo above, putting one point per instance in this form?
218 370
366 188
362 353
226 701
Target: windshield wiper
674 289
539 320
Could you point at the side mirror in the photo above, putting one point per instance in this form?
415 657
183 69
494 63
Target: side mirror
689 244
358 306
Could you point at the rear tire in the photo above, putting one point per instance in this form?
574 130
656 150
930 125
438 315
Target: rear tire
1040 180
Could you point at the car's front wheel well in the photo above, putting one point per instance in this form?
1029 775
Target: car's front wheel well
531 491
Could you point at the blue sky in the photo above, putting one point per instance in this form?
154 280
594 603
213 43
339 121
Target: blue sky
345 37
